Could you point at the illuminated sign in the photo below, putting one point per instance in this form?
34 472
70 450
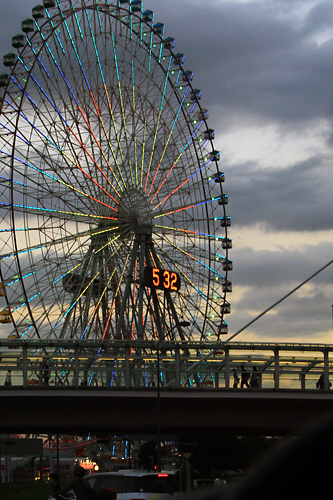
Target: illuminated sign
161 279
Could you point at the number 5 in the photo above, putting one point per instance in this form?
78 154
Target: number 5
156 276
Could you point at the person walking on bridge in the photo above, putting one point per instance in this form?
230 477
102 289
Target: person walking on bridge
254 379
236 378
245 377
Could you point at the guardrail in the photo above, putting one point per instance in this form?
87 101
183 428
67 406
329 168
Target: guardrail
129 364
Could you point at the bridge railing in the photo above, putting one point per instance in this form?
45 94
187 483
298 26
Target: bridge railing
131 364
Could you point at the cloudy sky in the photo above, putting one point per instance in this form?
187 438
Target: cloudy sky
265 69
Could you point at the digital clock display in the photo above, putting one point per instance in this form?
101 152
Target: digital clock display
161 279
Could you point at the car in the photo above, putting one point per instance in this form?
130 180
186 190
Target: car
138 484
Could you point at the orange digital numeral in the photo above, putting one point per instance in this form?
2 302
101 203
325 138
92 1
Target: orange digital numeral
166 276
156 276
174 281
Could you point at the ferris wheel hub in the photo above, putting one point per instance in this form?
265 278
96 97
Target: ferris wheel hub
134 212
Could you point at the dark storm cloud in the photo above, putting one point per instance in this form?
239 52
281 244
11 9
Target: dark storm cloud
249 61
261 278
247 57
296 198
319 17
303 318
12 14
268 268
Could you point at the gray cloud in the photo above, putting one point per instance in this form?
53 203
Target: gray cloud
319 17
264 277
295 198
287 268
249 61
302 317
12 14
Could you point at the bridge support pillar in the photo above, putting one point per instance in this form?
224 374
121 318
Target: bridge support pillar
227 369
177 368
25 365
217 380
326 372
276 370
127 367
76 366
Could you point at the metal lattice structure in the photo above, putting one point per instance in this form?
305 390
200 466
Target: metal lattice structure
107 167
69 364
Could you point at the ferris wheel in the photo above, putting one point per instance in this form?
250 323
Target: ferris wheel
113 216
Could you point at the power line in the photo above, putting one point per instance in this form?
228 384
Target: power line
261 314
279 301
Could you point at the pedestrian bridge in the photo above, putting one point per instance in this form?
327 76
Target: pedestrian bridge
182 365
69 386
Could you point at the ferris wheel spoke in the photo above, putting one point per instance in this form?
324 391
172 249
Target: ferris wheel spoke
66 239
89 323
171 169
189 207
115 298
49 212
66 156
83 115
200 235
99 115
158 122
38 58
118 81
191 256
167 142
54 30
58 180
12 133
193 286
94 101
76 299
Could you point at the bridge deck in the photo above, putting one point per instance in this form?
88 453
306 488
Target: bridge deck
183 412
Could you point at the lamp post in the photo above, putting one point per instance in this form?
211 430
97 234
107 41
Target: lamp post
181 324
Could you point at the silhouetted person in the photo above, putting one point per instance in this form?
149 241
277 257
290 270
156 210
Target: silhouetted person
254 379
236 379
54 480
320 383
245 377
81 488
8 379
46 375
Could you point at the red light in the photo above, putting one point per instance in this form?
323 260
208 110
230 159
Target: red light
162 475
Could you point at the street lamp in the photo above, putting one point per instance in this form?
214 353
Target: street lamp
181 324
